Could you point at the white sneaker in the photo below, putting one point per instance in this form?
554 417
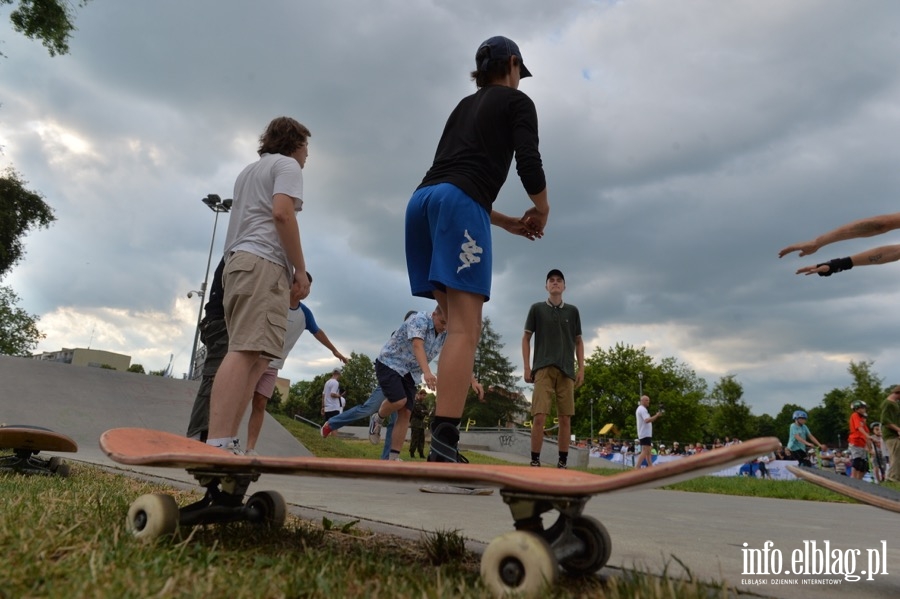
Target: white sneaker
375 429
235 447
251 452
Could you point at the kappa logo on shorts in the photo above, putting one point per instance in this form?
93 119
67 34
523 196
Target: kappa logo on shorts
470 251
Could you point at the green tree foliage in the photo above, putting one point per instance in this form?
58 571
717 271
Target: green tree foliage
274 403
611 383
867 386
766 427
51 21
294 404
357 379
305 397
138 368
503 401
20 211
829 422
731 415
19 334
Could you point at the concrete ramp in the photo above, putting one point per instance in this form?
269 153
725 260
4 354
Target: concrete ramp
82 402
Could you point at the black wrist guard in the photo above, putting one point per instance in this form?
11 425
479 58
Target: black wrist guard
836 265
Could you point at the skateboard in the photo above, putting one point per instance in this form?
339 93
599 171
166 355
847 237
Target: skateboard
521 561
26 442
870 493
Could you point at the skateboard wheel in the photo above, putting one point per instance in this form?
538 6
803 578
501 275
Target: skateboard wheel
54 463
62 470
152 516
597 547
518 563
270 507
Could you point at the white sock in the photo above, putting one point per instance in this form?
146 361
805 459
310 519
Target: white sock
220 442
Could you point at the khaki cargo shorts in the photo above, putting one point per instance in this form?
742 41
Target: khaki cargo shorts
550 383
256 301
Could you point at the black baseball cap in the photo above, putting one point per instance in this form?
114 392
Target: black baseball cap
555 273
501 48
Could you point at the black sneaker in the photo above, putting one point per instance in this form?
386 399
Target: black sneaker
536 463
562 465
445 445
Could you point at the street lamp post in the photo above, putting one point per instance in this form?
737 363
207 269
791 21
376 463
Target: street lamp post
640 384
217 205
591 435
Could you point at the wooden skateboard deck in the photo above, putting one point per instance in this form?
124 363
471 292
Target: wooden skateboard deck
870 493
26 442
144 447
521 562
35 438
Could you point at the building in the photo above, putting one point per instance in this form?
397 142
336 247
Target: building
87 357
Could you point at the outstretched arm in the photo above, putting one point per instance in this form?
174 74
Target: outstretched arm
879 255
867 227
324 340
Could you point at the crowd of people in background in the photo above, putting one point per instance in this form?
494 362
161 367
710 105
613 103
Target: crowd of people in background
606 448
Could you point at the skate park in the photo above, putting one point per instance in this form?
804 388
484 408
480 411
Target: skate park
649 529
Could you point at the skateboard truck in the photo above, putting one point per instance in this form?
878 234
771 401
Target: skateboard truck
154 515
526 560
25 461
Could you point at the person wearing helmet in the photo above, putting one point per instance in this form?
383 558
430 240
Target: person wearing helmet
800 439
859 440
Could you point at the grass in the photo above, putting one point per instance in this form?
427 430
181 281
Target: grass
67 537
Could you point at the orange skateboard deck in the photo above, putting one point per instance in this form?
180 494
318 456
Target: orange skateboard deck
519 562
26 442
869 493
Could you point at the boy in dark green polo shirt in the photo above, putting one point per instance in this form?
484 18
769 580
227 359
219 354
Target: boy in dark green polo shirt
556 327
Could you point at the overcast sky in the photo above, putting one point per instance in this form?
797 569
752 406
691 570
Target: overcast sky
685 143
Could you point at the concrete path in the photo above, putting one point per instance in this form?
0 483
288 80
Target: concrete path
651 530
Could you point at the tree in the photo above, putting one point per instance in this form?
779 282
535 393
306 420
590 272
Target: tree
51 21
766 427
612 385
357 379
867 386
731 415
830 422
20 211
19 334
274 403
503 401
138 368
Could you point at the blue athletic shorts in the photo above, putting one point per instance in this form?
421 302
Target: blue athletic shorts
448 242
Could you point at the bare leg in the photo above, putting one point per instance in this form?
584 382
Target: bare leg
537 432
389 407
463 312
565 433
400 427
232 390
257 415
